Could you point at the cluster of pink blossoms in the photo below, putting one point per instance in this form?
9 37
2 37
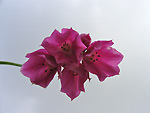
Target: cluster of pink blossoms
72 56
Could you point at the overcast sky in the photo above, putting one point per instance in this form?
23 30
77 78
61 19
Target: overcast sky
25 23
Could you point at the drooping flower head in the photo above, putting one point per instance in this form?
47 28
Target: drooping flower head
102 60
66 46
40 68
76 56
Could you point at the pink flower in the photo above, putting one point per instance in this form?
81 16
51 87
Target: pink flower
102 60
72 80
66 46
66 50
40 68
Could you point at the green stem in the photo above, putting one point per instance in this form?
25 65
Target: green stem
10 63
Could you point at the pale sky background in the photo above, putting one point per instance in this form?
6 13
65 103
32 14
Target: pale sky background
25 23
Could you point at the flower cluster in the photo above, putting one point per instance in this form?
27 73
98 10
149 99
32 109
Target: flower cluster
72 56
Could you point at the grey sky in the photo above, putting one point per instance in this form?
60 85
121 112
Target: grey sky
25 23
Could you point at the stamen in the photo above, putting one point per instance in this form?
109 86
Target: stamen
66 47
74 73
94 57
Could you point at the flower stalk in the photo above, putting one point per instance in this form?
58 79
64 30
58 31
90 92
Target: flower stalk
9 63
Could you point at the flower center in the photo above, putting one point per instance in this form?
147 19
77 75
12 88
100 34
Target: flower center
74 73
94 57
50 67
66 48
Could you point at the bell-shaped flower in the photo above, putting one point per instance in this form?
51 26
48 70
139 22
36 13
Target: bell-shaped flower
40 68
66 46
102 60
72 80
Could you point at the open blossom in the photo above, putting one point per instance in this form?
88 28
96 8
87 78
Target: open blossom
40 68
72 80
102 60
66 46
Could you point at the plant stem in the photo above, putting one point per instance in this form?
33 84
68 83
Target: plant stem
9 63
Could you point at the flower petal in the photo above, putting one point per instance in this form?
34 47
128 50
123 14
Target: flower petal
93 69
37 53
69 34
78 48
52 43
98 45
110 56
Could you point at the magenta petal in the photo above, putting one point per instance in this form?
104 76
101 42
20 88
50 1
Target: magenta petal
110 56
109 70
52 43
95 70
69 34
45 79
39 52
64 59
50 47
78 47
55 38
99 44
51 61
